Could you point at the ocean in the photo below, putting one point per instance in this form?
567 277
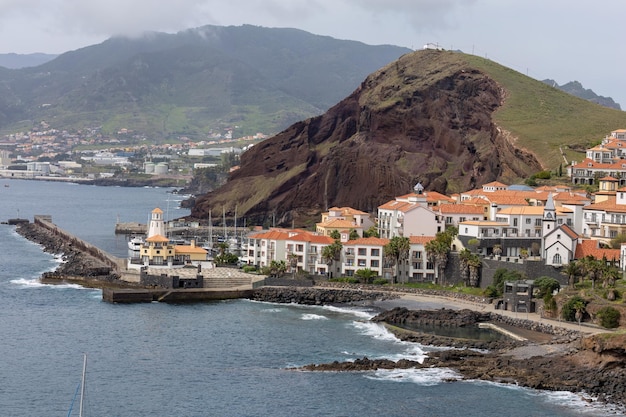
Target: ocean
228 358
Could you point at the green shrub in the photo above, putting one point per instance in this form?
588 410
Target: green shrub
546 285
380 281
491 291
568 312
549 303
249 268
608 317
543 175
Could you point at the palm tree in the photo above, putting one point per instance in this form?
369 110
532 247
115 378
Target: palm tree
330 254
579 306
474 264
464 257
571 270
365 275
293 263
437 253
396 252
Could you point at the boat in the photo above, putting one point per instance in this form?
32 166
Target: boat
135 243
80 386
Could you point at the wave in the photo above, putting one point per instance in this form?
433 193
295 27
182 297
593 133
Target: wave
272 310
423 377
313 317
35 283
580 402
357 311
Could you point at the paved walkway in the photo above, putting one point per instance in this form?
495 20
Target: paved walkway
415 301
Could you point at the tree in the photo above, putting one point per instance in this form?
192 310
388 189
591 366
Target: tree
546 285
571 270
371 232
473 244
330 254
365 275
469 265
277 268
334 234
437 252
574 309
293 263
354 235
497 250
396 252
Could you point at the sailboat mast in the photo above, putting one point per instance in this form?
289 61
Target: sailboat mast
82 386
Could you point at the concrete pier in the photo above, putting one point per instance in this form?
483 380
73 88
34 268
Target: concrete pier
140 295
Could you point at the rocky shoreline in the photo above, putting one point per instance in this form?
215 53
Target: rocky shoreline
561 360
565 361
77 265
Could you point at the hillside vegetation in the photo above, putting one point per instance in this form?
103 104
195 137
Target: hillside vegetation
543 118
192 83
449 120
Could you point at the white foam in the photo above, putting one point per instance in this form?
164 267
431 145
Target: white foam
272 310
359 312
580 402
35 283
375 330
313 317
424 377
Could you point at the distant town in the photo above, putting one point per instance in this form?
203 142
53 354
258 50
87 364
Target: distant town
86 155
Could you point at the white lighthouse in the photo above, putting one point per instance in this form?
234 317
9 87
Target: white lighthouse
156 225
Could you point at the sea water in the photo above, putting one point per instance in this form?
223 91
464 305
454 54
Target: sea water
229 358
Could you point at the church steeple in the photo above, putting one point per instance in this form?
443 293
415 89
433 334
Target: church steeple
419 188
549 216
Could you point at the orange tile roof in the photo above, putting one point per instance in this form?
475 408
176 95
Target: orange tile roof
271 235
590 163
569 231
189 249
370 241
420 240
590 247
495 184
339 224
157 238
460 209
312 238
607 205
346 210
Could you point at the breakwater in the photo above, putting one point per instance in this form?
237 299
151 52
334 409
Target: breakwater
318 296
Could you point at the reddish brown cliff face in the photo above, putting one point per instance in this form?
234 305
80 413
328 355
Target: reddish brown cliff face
426 117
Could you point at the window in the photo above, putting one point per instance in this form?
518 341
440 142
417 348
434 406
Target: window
362 251
537 222
375 252
417 254
374 263
528 221
290 248
556 259
299 248
429 265
417 265
349 262
515 222
362 262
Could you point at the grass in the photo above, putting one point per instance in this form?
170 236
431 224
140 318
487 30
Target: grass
543 117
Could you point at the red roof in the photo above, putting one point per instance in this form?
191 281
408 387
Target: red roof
590 247
370 241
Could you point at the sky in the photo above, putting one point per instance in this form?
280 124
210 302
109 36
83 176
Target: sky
563 40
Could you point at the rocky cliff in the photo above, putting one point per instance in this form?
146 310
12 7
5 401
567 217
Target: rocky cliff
425 117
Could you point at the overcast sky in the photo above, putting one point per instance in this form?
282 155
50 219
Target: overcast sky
560 39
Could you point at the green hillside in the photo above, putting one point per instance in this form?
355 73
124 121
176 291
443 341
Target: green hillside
191 83
544 118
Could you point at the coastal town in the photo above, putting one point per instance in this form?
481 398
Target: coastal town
87 155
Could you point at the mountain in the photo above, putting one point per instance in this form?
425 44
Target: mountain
16 61
575 88
192 82
449 120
